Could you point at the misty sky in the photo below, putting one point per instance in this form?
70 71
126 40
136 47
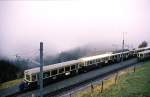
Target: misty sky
66 24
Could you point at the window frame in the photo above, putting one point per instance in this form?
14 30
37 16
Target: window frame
54 73
68 67
74 67
29 76
62 71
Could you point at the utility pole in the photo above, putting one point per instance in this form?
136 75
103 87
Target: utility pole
122 46
41 69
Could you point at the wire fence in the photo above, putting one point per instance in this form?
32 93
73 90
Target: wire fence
100 85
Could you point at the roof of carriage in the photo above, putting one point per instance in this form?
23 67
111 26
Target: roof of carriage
147 51
96 57
52 66
67 63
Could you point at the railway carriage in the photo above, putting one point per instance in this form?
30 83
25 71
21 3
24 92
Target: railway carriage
96 59
56 72
52 73
143 55
136 51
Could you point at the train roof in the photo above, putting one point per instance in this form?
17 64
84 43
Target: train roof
96 57
146 48
147 51
52 66
63 64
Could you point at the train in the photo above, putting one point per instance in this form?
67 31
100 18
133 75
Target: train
60 71
145 55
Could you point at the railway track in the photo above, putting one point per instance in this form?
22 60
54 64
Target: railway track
77 81
68 90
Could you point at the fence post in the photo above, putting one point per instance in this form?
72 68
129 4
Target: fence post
116 77
134 68
102 87
70 94
33 95
92 88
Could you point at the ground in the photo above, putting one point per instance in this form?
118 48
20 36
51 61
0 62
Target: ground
10 84
135 84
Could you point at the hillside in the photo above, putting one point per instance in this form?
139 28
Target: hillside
131 85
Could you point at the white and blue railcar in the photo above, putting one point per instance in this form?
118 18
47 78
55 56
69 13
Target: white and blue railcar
59 71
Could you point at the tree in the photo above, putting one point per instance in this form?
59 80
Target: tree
143 44
8 71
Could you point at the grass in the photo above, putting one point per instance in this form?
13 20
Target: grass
10 84
128 85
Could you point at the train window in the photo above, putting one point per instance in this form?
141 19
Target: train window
67 68
110 57
120 55
73 67
46 74
28 77
80 65
53 72
61 70
96 60
103 59
34 77
90 62
99 60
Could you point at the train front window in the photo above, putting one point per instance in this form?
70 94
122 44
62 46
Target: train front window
27 77
34 77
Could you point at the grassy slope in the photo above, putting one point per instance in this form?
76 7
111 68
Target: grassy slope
132 85
10 83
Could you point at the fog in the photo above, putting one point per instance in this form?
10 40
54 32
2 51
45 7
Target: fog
66 24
